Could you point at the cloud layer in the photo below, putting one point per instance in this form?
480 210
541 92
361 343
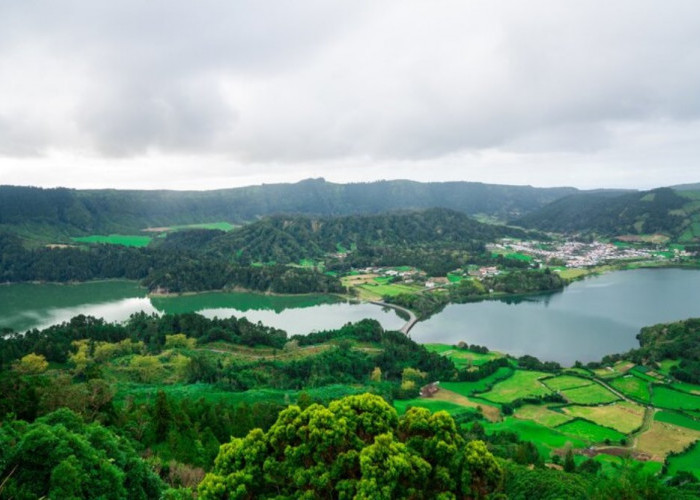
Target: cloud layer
539 92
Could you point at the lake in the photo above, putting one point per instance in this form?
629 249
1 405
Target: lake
26 306
589 319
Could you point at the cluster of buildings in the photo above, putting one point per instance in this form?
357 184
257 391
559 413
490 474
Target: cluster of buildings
576 253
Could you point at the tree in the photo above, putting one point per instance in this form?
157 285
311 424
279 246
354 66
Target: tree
31 364
357 447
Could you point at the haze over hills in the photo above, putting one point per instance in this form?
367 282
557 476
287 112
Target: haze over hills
70 212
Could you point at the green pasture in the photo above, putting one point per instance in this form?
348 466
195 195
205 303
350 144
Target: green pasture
433 405
611 463
643 373
664 397
685 387
589 395
677 419
666 365
221 226
468 388
390 290
454 277
521 385
460 357
542 415
589 431
623 416
563 382
688 461
115 239
633 387
544 438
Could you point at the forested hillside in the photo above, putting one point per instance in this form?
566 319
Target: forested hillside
69 212
665 211
288 239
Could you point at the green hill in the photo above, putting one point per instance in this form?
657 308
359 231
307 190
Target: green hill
664 211
43 214
292 238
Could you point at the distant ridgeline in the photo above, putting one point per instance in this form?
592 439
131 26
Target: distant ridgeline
665 211
437 239
67 212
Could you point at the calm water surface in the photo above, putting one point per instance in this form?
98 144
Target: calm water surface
26 306
586 321
589 319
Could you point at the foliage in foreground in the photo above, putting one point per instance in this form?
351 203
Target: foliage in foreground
357 447
59 456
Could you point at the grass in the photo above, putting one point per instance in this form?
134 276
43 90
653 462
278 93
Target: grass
391 290
688 461
491 412
623 416
141 392
222 226
454 278
666 365
469 388
664 397
116 239
460 357
632 387
566 382
544 438
611 463
542 415
590 395
521 385
677 419
663 438
573 273
685 387
431 404
589 431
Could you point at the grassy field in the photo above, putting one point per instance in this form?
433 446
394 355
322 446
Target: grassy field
116 239
688 461
451 402
544 438
589 431
381 290
542 415
572 274
619 368
431 404
623 416
633 387
677 419
469 388
589 395
689 388
522 384
566 382
664 397
662 439
460 357
611 463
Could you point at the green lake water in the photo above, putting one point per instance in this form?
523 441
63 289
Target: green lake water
589 319
26 306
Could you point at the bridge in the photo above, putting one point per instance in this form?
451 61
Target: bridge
412 318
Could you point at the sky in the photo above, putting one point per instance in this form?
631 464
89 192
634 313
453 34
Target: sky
211 94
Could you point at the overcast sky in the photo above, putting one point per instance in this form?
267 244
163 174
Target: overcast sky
208 94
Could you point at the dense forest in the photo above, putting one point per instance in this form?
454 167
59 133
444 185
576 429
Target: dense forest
438 240
75 423
69 212
665 211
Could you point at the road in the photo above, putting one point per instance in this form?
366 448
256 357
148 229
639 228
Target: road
412 318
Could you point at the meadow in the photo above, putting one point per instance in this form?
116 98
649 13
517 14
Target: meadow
521 385
688 461
115 239
677 419
632 387
542 415
566 382
588 431
623 416
592 394
665 397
